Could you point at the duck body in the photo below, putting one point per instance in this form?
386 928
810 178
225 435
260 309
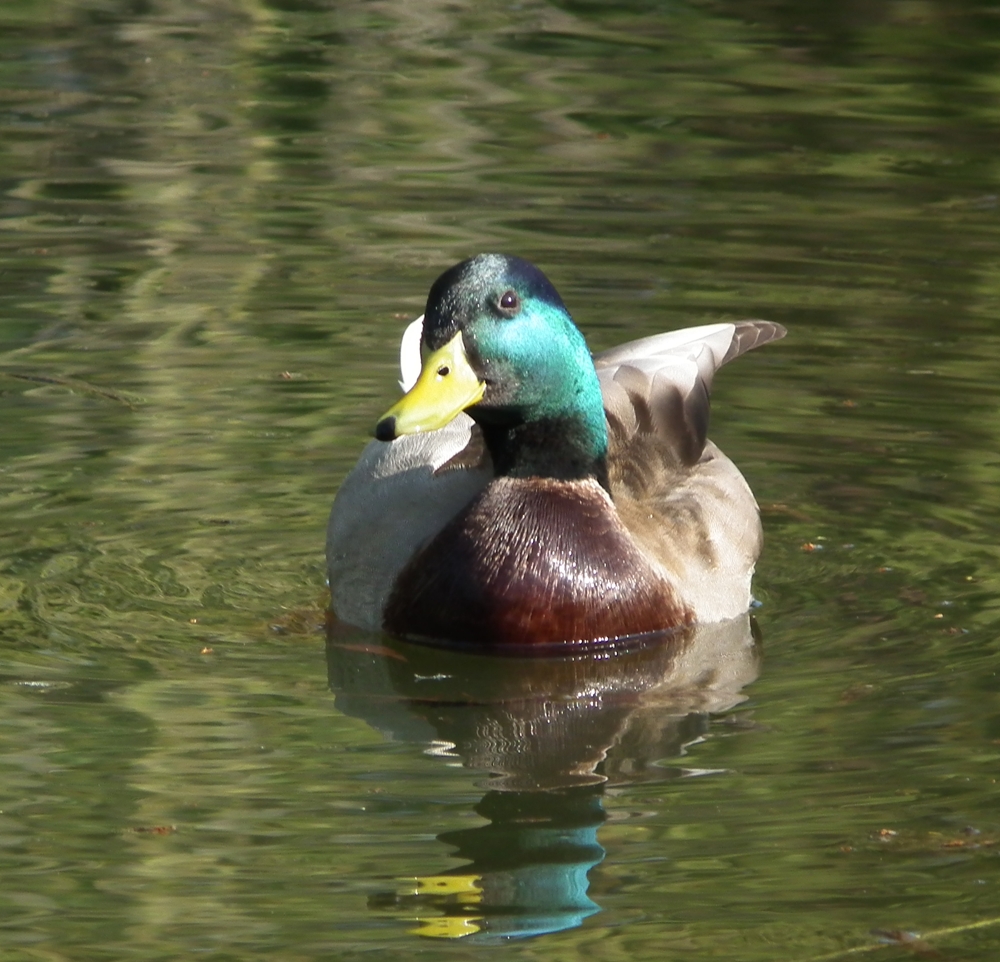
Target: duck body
577 500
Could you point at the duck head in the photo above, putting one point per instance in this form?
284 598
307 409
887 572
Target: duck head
499 344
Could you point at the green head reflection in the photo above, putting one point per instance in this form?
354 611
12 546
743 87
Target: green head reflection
548 735
527 874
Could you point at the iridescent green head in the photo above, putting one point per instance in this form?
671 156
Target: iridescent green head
499 343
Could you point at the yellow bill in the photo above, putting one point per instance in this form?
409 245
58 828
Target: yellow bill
447 385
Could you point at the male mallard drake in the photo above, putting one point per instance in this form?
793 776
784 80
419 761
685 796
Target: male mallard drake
578 499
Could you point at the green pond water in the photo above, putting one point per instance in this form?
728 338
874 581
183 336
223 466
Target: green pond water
215 219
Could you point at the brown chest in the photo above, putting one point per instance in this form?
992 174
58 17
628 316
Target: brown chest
533 562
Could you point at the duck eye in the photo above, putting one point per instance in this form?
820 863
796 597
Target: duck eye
509 301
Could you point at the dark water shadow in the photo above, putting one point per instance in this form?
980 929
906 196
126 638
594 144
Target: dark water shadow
550 736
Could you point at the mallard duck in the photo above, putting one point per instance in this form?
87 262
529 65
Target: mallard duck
525 492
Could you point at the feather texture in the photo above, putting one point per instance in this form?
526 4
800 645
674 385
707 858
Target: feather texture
661 385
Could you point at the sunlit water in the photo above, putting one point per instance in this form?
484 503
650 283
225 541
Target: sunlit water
215 219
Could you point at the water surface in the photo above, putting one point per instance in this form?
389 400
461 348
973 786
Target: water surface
215 219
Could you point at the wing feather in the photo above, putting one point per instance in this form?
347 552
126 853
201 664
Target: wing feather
661 385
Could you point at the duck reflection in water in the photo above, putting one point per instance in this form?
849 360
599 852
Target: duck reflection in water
550 735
